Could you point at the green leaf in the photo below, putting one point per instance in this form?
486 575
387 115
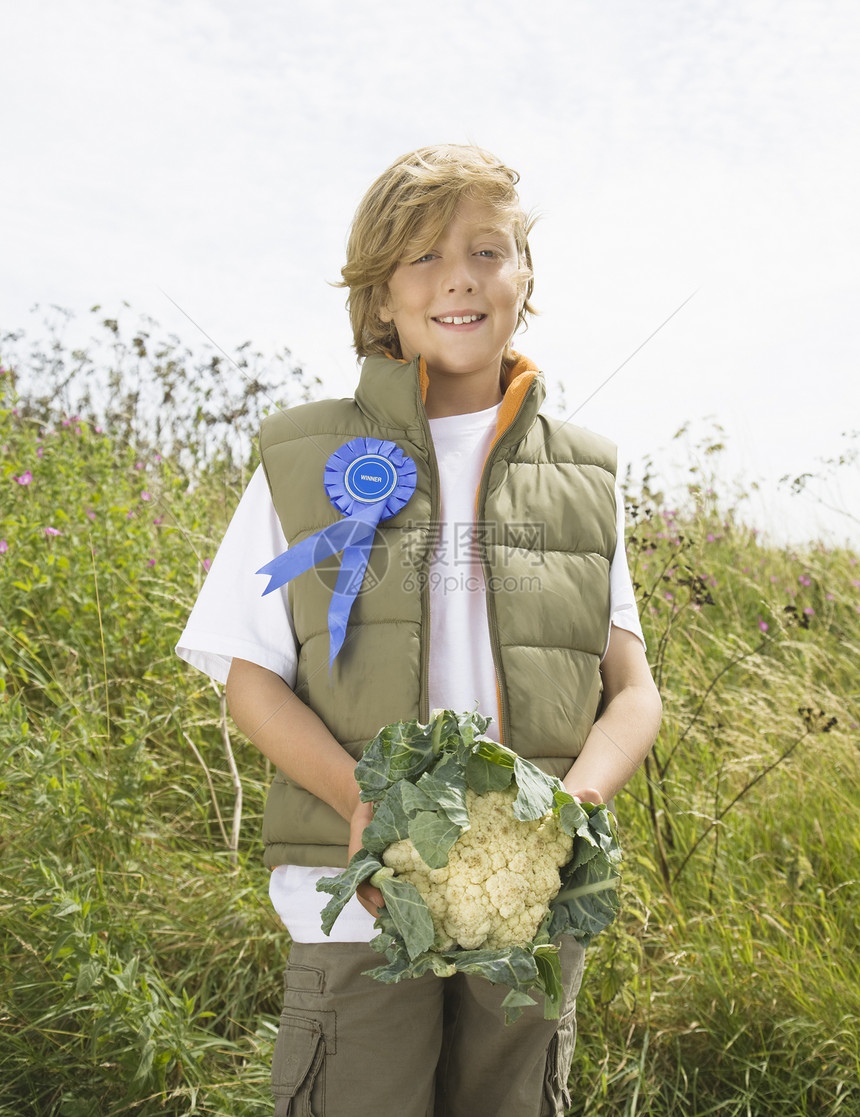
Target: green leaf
572 817
587 902
483 774
549 967
536 790
401 751
88 974
409 913
390 821
433 835
343 886
445 786
514 1003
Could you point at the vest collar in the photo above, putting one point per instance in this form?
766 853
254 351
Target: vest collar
391 393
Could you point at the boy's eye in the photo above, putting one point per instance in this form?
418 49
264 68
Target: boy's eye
488 252
424 258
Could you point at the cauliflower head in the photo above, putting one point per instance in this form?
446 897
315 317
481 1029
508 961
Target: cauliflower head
500 878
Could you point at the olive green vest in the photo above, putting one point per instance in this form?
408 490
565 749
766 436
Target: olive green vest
547 528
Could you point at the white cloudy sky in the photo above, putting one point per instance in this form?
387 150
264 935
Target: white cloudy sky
215 151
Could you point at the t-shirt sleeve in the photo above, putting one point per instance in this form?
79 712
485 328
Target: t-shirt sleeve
622 599
231 618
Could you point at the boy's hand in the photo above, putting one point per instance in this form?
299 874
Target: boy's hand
588 795
368 896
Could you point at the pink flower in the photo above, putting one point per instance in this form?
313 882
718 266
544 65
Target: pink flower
804 581
145 496
829 597
809 611
207 563
52 531
151 562
158 520
763 625
26 478
40 450
138 465
4 546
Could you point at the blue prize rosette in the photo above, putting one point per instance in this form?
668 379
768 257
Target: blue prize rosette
369 480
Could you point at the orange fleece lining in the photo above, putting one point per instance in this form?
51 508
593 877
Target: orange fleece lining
517 384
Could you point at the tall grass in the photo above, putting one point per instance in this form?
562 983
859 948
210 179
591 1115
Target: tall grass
140 965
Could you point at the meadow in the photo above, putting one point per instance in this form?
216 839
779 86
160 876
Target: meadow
140 961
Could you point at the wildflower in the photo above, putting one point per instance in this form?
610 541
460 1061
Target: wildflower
829 597
809 611
4 546
763 625
158 520
151 562
145 496
26 478
804 581
207 563
138 465
49 531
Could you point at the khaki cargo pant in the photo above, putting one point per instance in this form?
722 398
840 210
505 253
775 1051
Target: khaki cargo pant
349 1046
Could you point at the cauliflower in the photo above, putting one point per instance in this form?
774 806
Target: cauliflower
500 877
482 859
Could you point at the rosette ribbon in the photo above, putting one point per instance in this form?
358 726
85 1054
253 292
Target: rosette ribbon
369 480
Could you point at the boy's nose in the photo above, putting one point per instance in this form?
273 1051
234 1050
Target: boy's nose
460 277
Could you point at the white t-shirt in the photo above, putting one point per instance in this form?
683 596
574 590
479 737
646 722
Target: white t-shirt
232 618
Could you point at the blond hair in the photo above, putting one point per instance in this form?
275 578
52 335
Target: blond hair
403 214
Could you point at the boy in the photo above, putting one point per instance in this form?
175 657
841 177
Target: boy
501 584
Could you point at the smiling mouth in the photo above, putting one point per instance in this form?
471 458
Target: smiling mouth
459 320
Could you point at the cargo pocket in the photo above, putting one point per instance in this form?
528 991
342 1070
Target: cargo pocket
298 1075
557 1098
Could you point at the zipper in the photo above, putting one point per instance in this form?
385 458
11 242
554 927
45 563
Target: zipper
424 693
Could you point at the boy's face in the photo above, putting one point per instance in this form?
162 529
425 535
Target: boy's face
458 304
